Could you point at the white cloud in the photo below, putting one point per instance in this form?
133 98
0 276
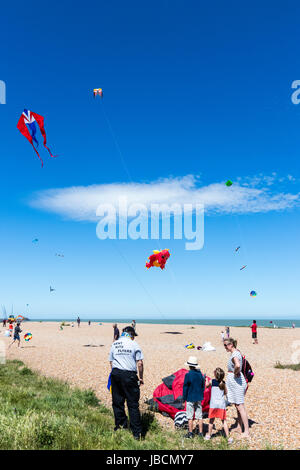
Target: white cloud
251 195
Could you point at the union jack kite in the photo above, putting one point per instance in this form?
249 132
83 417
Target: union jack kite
27 127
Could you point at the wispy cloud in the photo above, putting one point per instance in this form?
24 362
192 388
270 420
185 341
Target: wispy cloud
249 195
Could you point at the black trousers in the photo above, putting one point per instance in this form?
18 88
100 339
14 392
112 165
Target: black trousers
124 386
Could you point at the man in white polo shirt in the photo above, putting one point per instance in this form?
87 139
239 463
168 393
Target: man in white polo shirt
126 358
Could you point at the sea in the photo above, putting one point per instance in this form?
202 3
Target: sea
267 323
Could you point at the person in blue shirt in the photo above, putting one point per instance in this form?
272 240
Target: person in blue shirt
193 390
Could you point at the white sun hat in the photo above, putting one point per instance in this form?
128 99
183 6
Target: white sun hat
192 361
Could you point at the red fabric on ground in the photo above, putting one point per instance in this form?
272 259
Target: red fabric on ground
177 391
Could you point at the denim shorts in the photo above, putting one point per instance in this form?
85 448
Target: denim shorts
192 407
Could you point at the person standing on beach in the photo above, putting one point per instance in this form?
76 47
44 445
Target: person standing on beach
78 322
236 385
16 335
10 327
227 329
218 403
116 332
193 390
254 332
4 322
133 324
126 358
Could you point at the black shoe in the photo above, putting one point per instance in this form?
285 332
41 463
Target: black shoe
189 435
137 437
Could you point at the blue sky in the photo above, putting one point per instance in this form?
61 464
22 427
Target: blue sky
189 89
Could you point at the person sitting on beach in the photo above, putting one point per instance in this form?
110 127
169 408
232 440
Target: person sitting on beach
16 335
236 385
217 405
193 390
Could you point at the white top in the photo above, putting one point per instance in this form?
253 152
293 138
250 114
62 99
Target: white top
217 399
230 364
124 354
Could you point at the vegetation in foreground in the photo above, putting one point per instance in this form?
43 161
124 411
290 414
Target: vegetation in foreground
278 365
42 413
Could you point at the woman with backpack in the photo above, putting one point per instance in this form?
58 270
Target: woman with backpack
236 385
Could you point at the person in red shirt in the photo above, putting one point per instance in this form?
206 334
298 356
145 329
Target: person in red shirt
254 332
11 328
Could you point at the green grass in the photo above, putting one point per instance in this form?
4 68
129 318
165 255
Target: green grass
42 413
278 365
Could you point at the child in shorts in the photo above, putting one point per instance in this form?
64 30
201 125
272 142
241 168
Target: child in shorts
16 335
193 390
218 402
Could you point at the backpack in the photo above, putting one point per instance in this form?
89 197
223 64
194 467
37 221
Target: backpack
247 370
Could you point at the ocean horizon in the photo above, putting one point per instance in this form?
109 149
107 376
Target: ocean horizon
281 323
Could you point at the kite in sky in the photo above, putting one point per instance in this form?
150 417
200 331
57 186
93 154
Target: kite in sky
19 318
27 127
229 183
51 289
59 255
35 240
98 91
237 249
158 259
253 293
243 267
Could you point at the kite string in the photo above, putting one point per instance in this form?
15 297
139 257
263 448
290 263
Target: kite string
178 286
116 144
137 278
131 180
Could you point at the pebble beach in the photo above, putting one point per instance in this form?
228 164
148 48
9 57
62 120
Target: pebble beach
79 356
